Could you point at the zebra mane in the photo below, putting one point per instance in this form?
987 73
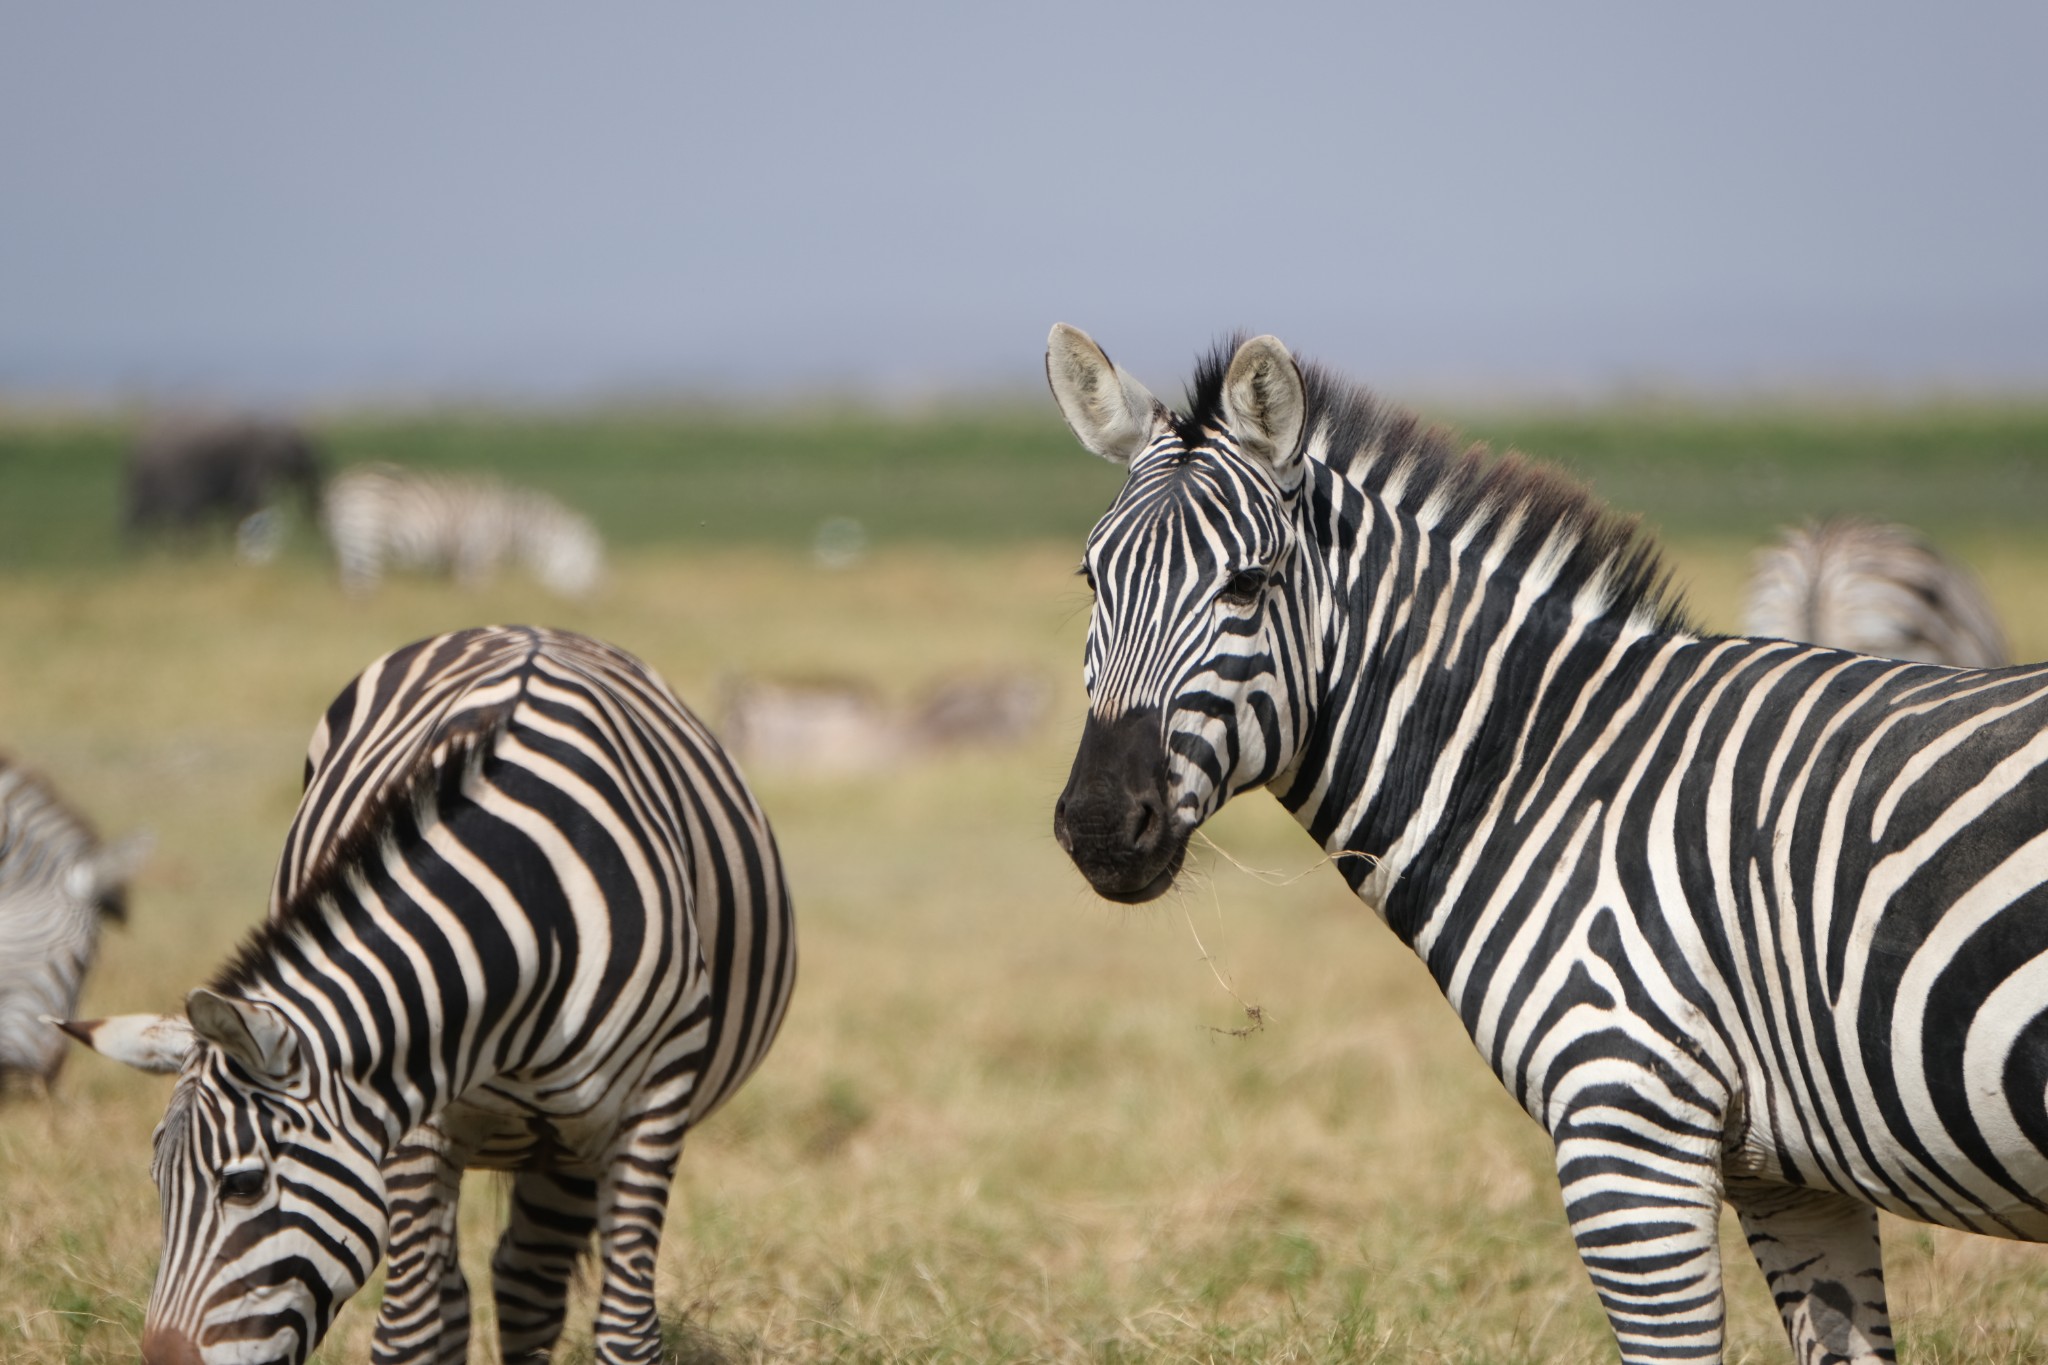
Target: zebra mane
434 781
1448 484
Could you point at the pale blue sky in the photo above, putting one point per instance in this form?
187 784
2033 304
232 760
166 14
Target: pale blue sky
555 200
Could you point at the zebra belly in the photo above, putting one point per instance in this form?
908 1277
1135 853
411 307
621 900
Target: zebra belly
496 1134
1961 1145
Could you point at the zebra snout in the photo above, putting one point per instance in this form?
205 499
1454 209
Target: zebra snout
162 1346
1113 818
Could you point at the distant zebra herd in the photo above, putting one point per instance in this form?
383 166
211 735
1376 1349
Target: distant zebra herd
1749 919
183 474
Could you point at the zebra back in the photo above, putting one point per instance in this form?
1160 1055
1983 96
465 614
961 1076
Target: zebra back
368 749
1872 589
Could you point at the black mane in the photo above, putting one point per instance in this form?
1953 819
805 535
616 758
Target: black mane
1368 443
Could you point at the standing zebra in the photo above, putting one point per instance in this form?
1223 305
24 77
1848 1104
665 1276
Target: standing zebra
528 917
464 525
1872 589
1732 919
58 885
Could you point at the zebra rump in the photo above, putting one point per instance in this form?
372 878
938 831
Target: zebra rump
58 885
466 526
528 918
1874 589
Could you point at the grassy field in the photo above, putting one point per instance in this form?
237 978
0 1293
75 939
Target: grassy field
1005 1121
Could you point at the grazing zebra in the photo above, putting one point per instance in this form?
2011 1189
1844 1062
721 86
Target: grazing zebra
1872 589
58 884
528 917
463 525
1731 918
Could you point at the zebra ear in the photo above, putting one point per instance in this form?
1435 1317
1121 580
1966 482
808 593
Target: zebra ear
249 1031
147 1042
1108 411
1265 402
102 876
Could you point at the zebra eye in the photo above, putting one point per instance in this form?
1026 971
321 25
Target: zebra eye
1087 576
1244 588
244 1186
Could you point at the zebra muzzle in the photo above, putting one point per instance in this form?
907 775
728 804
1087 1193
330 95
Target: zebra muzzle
1114 819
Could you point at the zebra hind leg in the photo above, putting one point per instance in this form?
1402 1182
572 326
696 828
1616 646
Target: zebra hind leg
1819 1253
553 1213
424 1319
631 1211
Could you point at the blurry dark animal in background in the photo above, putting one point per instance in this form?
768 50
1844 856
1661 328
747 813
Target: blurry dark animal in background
187 473
57 884
823 726
1873 589
462 525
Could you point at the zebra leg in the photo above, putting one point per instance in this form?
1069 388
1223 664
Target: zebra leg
1645 1213
552 1215
631 1211
424 1319
1819 1253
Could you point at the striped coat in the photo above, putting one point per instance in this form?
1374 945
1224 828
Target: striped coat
1872 589
58 886
1735 920
465 526
528 918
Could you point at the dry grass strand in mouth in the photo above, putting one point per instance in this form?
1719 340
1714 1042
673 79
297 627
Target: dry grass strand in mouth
1255 1014
1274 878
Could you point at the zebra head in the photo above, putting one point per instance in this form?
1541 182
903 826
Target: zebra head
1203 590
273 1211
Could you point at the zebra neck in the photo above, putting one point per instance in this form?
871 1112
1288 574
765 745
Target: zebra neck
383 1071
1440 682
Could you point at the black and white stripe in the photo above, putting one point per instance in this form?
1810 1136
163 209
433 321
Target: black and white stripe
466 526
528 918
1731 918
1872 589
58 885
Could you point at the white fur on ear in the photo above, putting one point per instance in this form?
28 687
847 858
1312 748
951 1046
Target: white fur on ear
1265 402
1108 411
253 1033
148 1042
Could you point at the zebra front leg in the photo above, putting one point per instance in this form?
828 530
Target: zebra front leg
424 1319
1819 1252
1645 1210
553 1213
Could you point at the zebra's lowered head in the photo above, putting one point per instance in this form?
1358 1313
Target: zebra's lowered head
1199 587
267 1230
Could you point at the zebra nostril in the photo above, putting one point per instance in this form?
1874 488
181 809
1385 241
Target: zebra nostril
1059 825
1144 822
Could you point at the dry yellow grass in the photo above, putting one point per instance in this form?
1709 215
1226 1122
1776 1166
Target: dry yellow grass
1005 1120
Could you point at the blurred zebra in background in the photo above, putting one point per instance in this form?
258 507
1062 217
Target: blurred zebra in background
529 918
1733 919
58 885
464 525
1874 589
